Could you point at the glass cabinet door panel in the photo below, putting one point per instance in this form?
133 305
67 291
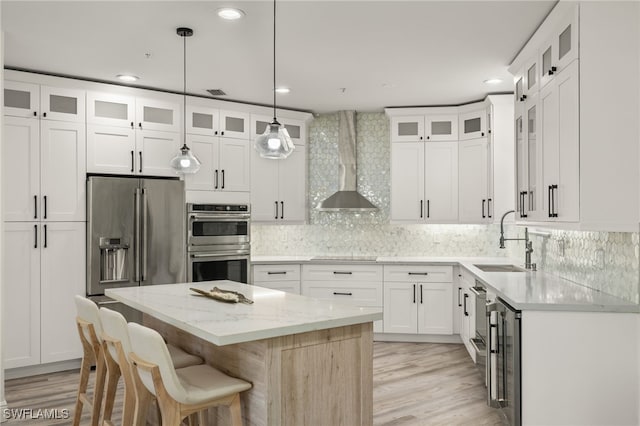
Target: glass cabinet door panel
531 159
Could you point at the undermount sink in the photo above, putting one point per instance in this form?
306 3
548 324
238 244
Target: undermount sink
500 268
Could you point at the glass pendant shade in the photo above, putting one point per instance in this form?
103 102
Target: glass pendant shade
185 161
275 142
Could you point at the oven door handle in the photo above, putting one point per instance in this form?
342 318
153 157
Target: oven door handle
477 292
219 217
219 254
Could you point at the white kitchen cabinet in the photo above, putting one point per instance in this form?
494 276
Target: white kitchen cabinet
284 277
528 152
430 127
295 128
441 127
202 120
49 184
108 109
278 188
46 102
472 124
159 115
21 298
234 124
424 182
468 311
155 150
418 299
225 164
559 104
111 149
359 285
561 49
407 129
531 81
474 179
44 269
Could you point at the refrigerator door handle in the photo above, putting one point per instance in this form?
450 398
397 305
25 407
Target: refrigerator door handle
136 234
143 221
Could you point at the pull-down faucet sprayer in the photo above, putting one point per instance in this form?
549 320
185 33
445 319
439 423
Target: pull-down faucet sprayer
528 245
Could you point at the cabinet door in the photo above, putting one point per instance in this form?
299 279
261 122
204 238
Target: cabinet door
202 121
531 76
63 276
407 182
533 193
21 298
264 188
111 149
21 99
153 114
62 104
155 151
21 169
234 124
407 129
63 170
206 149
472 125
474 175
400 313
441 182
286 286
110 110
235 165
292 184
521 162
442 127
435 310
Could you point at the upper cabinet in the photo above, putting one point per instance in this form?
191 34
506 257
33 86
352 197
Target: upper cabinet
407 128
473 124
45 102
561 48
436 127
296 128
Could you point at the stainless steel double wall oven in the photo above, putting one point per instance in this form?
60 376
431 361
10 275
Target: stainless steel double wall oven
218 242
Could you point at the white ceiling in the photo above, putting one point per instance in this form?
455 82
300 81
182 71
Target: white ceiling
384 53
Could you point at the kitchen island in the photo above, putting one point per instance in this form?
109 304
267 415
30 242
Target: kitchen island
310 361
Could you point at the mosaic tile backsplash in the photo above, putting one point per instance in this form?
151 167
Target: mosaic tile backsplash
606 261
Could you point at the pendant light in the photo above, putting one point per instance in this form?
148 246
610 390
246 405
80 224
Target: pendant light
275 142
185 161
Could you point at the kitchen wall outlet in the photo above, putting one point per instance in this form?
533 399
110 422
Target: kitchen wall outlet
600 258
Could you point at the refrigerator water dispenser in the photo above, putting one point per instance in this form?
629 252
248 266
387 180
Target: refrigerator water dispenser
113 260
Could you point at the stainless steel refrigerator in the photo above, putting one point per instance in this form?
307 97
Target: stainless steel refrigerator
135 234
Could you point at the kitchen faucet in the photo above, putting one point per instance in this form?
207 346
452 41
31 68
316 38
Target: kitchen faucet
528 245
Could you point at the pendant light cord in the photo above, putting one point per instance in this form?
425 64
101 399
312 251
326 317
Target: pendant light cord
274 60
184 91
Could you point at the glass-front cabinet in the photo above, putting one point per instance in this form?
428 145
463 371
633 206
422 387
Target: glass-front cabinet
561 49
407 128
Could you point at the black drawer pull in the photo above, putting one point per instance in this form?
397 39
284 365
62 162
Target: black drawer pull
417 273
277 273
339 293
342 273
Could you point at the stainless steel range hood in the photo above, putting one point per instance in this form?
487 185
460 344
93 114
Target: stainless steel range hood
347 198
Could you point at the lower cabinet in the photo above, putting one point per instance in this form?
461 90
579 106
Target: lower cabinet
44 267
467 314
359 285
418 299
284 277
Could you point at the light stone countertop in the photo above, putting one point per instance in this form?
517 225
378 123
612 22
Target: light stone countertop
530 290
274 313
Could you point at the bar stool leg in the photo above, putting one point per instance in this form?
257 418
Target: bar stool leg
113 376
98 391
85 370
236 411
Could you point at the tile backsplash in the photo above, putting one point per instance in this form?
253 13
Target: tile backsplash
606 261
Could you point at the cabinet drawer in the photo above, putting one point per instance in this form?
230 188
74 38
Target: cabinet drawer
286 286
371 273
358 293
423 274
284 272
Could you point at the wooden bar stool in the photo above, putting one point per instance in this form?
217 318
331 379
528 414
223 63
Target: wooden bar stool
89 329
116 345
183 392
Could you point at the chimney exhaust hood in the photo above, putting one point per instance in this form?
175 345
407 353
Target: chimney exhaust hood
347 199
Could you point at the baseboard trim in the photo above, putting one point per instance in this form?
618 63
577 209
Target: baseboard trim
34 370
416 338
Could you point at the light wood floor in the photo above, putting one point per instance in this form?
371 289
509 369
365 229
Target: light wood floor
414 384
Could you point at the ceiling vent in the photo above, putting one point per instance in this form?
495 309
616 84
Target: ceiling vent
216 92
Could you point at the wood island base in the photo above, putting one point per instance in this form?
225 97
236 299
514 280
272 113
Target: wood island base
322 377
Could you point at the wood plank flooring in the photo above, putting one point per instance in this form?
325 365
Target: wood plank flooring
414 384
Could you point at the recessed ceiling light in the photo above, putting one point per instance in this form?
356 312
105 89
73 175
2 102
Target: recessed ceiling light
283 90
230 13
127 78
493 81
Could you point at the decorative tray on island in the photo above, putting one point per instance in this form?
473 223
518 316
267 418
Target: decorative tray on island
220 295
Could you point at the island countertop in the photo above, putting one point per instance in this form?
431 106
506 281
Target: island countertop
273 313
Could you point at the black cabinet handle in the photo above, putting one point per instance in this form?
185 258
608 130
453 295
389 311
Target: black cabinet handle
281 209
481 133
45 236
466 296
523 197
45 206
421 294
140 125
35 206
35 113
276 209
417 273
132 125
222 133
553 200
421 209
522 98
222 179
140 165
277 273
35 235
428 137
483 203
552 70
339 293
342 273
414 293
459 301
489 208
420 137
216 184
428 208
132 159
549 191
44 115
215 132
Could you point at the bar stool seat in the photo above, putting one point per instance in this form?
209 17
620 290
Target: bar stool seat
183 392
181 359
